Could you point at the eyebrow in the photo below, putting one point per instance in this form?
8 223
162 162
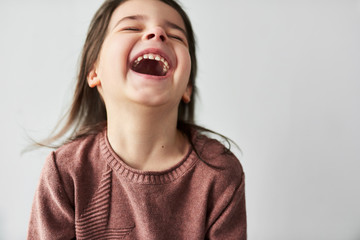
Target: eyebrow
142 17
133 17
175 26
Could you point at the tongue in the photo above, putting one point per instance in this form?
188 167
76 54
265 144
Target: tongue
150 67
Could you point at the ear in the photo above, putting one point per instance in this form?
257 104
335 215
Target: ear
93 78
187 94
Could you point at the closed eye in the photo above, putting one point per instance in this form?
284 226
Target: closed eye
176 37
131 29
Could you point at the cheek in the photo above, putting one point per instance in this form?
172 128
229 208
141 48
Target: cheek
113 59
188 64
184 61
111 69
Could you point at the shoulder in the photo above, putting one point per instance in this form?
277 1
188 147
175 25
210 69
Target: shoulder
77 159
223 177
74 153
219 161
75 167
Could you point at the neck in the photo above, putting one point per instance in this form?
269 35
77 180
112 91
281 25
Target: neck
147 139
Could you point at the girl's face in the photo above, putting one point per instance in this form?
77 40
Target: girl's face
144 58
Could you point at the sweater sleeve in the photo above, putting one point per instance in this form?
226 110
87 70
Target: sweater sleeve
231 223
52 215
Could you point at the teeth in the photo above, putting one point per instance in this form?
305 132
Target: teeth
156 57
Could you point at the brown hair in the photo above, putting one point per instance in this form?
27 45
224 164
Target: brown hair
87 114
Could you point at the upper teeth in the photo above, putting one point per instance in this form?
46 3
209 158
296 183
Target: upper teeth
153 56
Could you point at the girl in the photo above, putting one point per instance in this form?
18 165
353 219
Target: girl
136 165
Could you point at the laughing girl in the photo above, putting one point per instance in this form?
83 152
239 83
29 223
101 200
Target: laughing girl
136 166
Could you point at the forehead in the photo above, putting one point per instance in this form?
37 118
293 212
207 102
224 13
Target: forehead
153 10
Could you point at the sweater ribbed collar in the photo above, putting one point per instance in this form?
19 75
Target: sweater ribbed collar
145 177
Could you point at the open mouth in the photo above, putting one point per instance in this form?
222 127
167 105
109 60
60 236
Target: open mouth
151 64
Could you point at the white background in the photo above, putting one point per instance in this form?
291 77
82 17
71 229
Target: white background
281 78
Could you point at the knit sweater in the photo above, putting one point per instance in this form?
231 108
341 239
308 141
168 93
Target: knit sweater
86 191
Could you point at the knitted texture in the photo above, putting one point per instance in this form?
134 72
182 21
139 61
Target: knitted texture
87 191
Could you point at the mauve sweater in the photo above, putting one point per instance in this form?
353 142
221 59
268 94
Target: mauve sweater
87 192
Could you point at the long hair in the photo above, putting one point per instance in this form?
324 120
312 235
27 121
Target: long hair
87 113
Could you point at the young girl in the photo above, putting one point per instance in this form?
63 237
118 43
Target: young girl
136 165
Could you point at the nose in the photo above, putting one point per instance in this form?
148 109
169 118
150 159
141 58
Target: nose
156 33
